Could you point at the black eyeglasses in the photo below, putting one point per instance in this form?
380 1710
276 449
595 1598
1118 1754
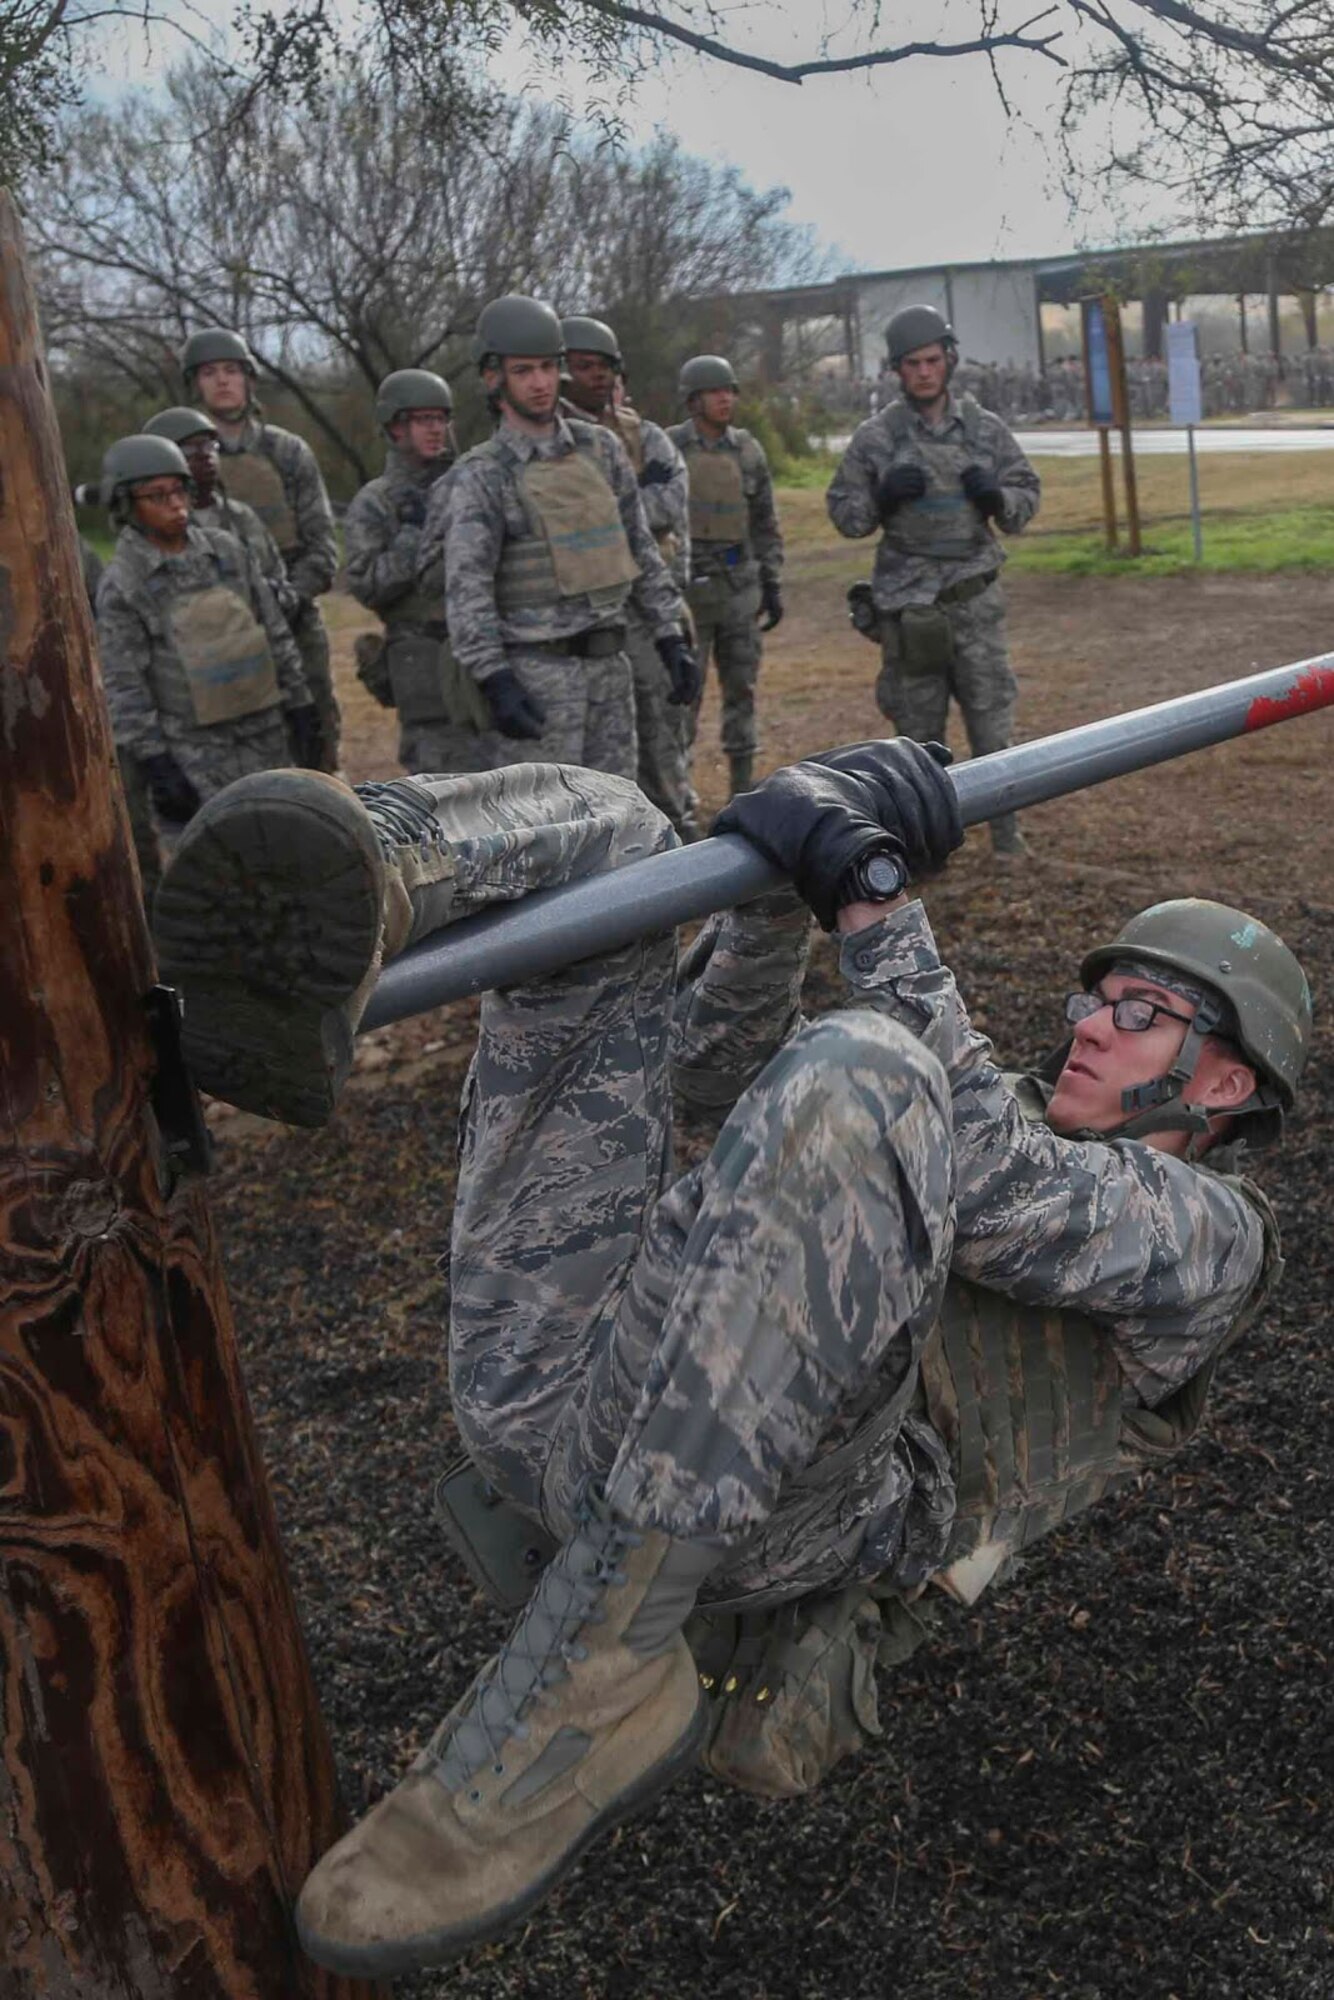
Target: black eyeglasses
1133 1015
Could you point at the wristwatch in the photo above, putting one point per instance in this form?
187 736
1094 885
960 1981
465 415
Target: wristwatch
878 877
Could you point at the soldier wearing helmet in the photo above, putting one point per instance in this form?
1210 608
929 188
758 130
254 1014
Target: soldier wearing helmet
203 678
736 549
594 371
937 476
275 472
547 553
393 537
909 1314
213 506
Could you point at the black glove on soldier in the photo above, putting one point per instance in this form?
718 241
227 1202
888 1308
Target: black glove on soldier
982 489
174 797
682 669
305 735
513 710
771 606
900 483
818 819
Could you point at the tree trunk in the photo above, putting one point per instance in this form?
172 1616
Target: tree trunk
166 1778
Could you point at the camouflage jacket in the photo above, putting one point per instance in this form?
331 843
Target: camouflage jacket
766 537
389 568
663 485
1163 1253
312 557
233 517
888 439
133 636
484 507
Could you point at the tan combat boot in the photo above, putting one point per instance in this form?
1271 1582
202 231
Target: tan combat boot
590 1709
284 895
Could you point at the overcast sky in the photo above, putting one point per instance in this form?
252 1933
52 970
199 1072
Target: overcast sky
916 163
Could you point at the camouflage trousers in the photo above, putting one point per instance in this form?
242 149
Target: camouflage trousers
590 713
697 1345
981 681
726 632
225 751
312 642
663 730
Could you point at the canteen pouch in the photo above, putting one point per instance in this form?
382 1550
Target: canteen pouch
502 1550
926 640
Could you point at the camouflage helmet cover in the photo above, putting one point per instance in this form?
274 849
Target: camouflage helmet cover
1240 960
917 326
707 371
215 343
590 336
411 389
517 325
179 423
131 459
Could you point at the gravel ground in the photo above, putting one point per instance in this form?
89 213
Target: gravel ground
1110 1778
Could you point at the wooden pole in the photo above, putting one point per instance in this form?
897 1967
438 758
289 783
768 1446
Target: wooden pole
1108 486
166 1778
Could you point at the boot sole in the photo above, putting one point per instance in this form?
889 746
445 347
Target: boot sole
442 1947
267 920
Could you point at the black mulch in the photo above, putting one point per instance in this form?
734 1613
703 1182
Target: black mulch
1112 1778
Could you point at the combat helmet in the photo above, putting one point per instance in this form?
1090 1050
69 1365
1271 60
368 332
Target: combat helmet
919 326
179 423
591 336
411 389
516 325
1255 994
215 343
707 371
131 460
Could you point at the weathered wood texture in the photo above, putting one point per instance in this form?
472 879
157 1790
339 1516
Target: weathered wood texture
165 1779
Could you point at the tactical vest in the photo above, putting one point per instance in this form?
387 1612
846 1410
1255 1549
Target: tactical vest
629 428
253 476
944 523
226 665
578 545
718 509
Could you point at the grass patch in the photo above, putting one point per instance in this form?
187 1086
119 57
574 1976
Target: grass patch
1300 538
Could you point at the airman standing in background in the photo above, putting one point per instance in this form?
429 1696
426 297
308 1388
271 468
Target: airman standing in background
594 369
936 473
440 711
736 550
274 471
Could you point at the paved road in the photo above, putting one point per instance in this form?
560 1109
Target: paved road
1056 443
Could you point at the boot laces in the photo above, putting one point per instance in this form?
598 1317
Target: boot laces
538 1654
402 814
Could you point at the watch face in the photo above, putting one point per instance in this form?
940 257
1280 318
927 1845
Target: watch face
883 876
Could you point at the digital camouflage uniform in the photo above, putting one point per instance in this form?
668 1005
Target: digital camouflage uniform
662 727
391 570
512 592
939 552
233 517
133 783
239 665
736 546
275 472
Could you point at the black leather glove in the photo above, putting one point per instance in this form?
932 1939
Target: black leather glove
682 669
656 473
513 710
771 606
305 736
174 797
982 489
906 481
412 509
818 819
